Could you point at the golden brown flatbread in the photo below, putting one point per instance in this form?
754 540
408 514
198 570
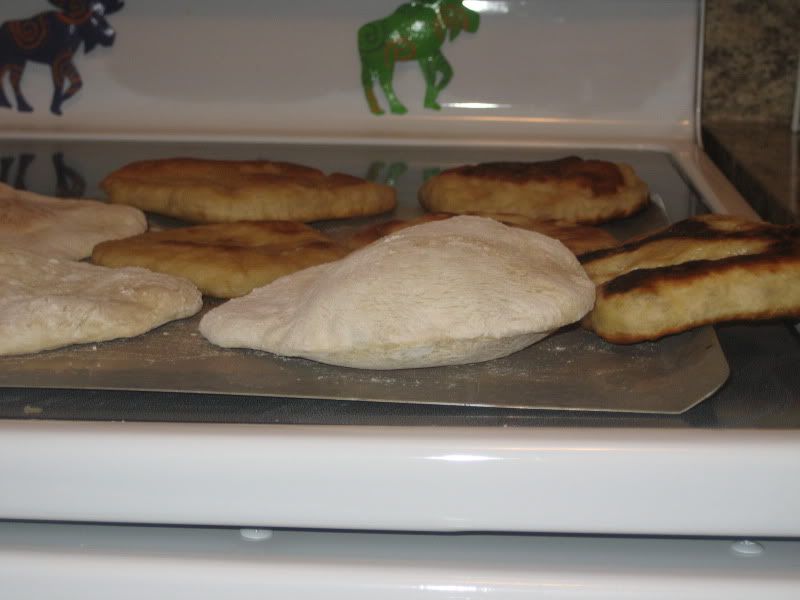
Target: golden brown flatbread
569 189
704 237
217 191
703 270
577 238
226 259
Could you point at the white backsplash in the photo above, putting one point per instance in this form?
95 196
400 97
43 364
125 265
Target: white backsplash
563 69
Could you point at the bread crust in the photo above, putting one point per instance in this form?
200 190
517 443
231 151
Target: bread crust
570 189
224 260
703 270
578 239
218 191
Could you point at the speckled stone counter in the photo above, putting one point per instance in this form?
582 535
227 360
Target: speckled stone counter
763 162
750 59
750 70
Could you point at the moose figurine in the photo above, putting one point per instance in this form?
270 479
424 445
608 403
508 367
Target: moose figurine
415 31
52 38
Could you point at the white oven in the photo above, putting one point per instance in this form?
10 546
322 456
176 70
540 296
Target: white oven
128 474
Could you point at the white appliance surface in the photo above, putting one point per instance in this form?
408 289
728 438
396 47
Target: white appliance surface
586 480
550 68
97 562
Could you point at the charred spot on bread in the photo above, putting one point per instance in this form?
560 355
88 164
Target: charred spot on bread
601 177
649 279
704 228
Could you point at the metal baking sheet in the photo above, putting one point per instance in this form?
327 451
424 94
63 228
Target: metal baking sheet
573 369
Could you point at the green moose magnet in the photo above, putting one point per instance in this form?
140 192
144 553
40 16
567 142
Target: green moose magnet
415 31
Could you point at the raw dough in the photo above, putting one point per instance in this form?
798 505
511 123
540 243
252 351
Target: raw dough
48 303
61 228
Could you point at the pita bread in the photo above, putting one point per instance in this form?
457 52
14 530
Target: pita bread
461 290
219 191
704 237
577 238
49 303
569 189
62 228
699 271
225 260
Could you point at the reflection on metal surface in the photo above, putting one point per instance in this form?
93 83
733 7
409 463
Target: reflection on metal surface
69 183
430 172
6 164
392 174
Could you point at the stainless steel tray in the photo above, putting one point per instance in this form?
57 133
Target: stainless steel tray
573 369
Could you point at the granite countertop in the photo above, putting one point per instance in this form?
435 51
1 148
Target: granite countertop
763 162
750 70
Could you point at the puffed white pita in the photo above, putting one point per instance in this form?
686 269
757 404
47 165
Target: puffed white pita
462 290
